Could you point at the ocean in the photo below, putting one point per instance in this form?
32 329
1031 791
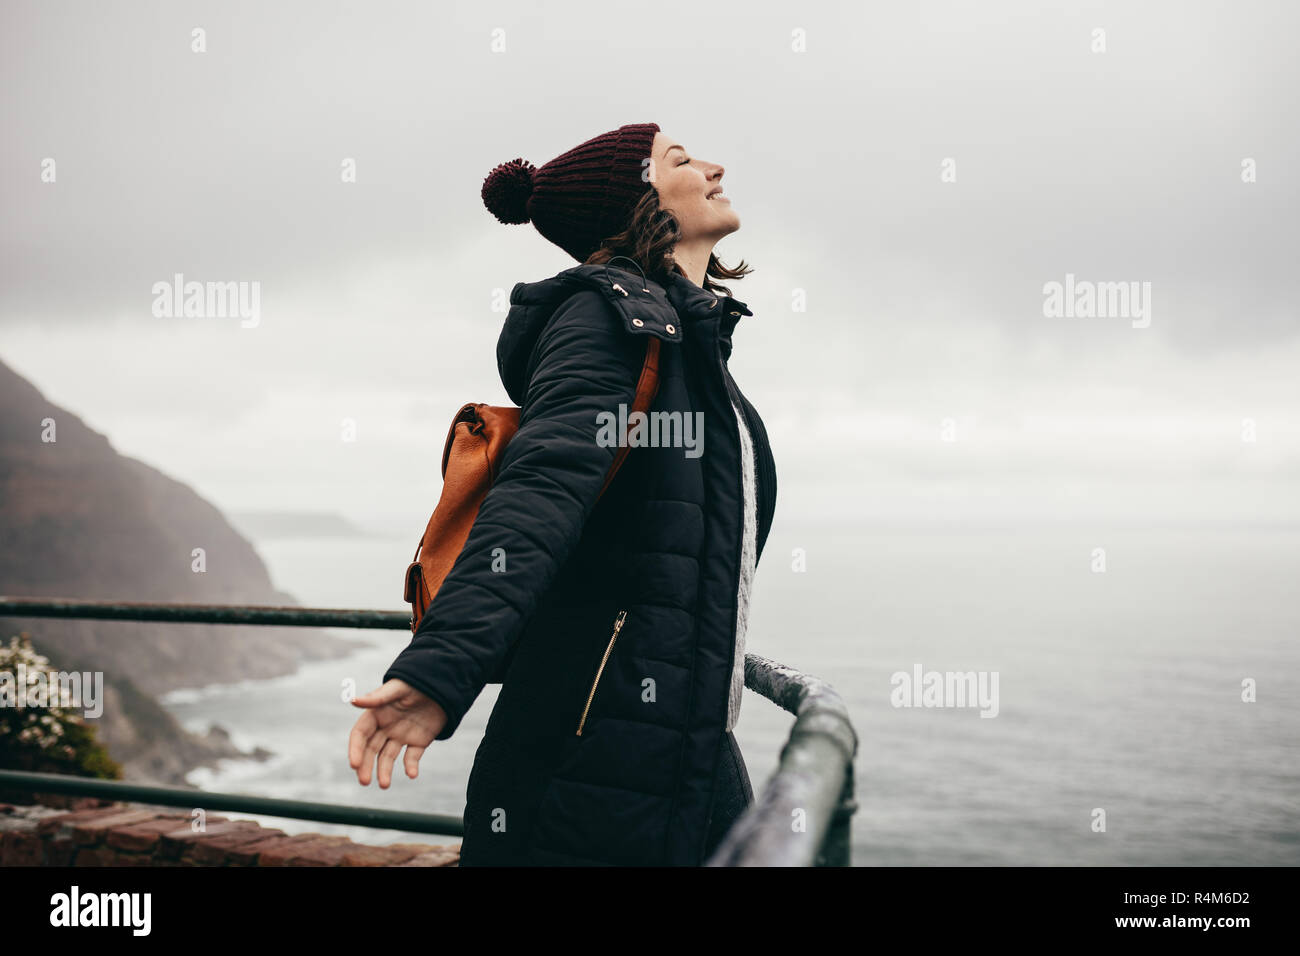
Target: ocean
1121 736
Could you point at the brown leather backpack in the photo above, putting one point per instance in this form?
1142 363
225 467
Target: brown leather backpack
471 458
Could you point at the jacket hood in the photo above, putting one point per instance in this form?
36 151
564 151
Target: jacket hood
646 307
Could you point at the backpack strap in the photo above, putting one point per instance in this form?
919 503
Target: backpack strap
646 389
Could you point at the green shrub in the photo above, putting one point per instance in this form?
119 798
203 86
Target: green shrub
46 739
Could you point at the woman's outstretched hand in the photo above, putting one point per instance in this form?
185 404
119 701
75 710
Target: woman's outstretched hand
397 715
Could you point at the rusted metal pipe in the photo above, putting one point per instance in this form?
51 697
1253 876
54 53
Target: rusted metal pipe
204 613
402 820
803 816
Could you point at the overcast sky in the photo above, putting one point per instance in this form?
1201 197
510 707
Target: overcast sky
835 122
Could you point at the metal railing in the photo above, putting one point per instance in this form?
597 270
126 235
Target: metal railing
235 802
802 818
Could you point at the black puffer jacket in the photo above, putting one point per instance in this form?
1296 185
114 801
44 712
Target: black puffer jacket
662 545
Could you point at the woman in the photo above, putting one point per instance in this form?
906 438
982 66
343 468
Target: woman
617 620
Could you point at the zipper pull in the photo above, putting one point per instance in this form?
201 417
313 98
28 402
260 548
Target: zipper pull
618 624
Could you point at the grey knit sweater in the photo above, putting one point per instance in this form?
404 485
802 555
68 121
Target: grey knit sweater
749 482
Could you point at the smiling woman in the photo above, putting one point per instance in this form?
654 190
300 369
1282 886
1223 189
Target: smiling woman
676 224
618 622
691 190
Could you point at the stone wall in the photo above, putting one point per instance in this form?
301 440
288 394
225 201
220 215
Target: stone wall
90 832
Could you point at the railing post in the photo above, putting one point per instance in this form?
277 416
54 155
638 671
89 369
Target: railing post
837 848
813 782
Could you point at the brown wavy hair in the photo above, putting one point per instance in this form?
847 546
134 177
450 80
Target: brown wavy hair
651 234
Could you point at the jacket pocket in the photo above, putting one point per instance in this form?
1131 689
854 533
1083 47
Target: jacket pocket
618 624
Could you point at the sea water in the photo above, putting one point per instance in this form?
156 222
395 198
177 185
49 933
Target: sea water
1125 731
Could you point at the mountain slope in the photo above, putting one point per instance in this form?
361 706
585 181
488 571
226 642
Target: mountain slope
80 520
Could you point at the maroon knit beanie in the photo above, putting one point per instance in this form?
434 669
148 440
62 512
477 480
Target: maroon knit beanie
581 197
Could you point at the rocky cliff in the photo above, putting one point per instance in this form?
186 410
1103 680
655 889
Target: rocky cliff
80 520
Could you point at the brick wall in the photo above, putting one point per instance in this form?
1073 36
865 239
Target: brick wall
90 832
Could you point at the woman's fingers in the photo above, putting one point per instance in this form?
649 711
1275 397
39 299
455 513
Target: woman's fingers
380 733
362 730
412 760
373 746
385 694
386 757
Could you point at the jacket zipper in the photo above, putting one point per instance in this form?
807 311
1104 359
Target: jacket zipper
618 623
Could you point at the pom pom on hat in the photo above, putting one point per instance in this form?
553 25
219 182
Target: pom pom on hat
506 191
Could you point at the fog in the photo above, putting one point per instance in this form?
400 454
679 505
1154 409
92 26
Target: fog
909 178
